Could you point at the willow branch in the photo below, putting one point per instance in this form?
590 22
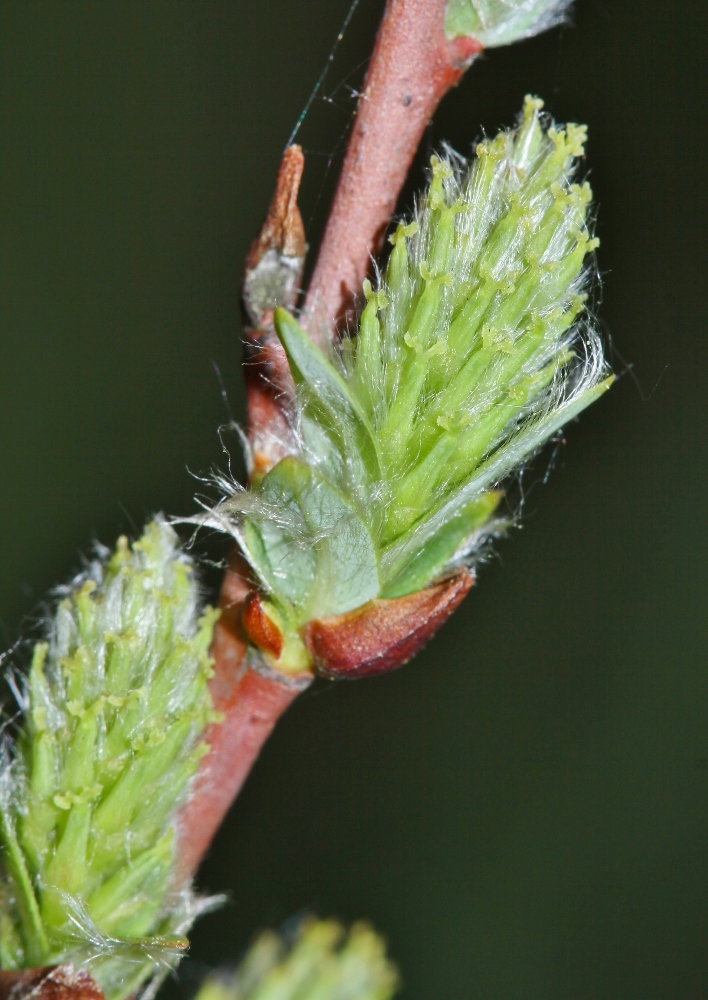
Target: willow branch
412 68
249 698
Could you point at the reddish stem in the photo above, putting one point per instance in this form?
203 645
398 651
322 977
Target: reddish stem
412 68
251 702
51 982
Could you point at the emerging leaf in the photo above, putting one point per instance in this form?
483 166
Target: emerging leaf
501 22
317 553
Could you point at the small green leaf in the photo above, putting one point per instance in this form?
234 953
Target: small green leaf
330 394
11 952
524 444
37 946
501 22
318 554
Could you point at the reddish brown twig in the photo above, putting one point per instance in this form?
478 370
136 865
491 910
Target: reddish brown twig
52 982
250 698
412 68
251 702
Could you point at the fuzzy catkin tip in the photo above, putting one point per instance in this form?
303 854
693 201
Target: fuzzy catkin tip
116 701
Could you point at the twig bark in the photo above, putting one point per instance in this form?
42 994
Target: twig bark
412 68
251 702
249 697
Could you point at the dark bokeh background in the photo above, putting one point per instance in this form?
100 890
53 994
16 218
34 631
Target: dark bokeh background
523 810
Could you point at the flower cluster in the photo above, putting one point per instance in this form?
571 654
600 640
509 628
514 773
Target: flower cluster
321 960
115 704
471 352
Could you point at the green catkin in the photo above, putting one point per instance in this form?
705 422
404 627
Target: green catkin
321 961
471 353
117 703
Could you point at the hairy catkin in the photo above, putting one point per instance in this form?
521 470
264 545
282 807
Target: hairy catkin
472 351
116 701
318 960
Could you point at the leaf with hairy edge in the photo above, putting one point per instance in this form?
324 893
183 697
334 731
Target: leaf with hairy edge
329 391
318 554
501 22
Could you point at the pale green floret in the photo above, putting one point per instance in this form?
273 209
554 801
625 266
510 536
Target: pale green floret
470 354
116 704
501 22
322 962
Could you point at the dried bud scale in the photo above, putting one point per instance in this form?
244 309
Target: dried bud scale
115 704
470 353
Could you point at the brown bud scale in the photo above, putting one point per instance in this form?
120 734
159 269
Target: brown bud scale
260 627
52 982
383 634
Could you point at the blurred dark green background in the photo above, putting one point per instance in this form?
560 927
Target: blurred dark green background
523 810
